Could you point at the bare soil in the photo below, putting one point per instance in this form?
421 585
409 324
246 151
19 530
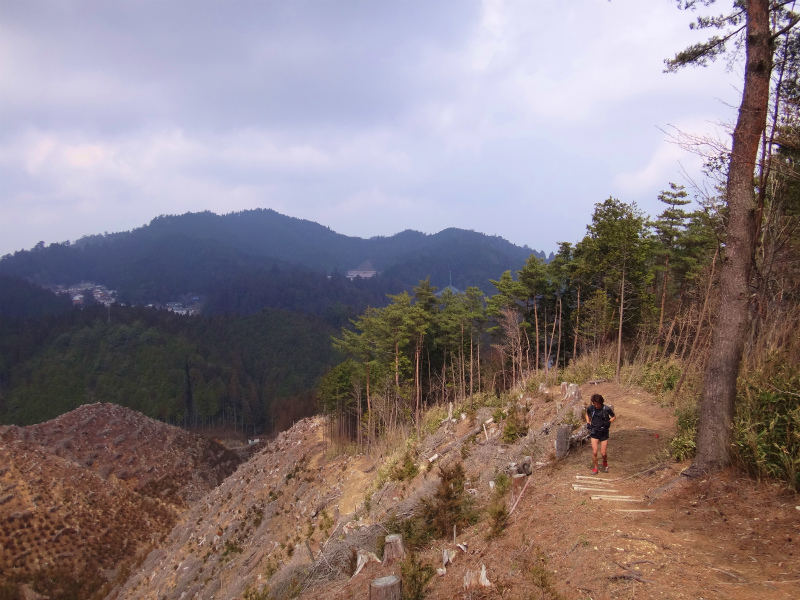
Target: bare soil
725 536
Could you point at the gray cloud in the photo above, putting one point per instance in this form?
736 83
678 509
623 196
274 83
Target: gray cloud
507 117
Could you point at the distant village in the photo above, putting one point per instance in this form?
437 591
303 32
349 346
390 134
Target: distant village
85 292
365 270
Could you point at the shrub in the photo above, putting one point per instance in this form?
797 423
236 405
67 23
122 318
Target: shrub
514 427
501 482
254 594
682 446
498 415
541 576
404 469
498 514
767 424
656 377
451 505
416 576
416 531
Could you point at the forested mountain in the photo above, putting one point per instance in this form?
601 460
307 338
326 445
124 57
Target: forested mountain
20 298
246 260
274 290
253 372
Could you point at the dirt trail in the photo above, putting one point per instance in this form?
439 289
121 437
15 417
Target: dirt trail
724 537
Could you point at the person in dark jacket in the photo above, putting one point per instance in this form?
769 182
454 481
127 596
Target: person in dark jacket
598 419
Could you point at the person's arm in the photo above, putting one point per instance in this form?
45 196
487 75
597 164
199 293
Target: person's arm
613 417
586 416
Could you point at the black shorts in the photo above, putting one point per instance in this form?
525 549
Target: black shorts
600 436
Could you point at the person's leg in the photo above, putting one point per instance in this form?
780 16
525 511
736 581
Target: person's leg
604 454
595 442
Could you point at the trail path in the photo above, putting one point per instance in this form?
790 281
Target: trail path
639 531
620 535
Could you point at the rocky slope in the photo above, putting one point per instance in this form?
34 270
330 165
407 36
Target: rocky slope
293 521
82 495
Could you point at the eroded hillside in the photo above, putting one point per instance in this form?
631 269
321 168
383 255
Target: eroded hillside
82 495
292 521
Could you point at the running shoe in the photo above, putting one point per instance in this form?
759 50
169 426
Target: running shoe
594 471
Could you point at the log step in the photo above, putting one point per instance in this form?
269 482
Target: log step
617 498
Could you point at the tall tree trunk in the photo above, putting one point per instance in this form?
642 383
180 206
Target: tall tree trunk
471 344
550 353
558 351
453 375
416 382
397 364
479 365
359 434
577 326
619 334
700 320
663 301
369 410
463 368
672 325
714 432
536 320
683 342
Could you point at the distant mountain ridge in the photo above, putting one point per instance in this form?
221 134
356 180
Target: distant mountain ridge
199 252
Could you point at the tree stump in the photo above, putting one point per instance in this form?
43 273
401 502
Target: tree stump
386 588
562 440
394 550
573 393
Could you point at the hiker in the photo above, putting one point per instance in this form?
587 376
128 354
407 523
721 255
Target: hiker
598 420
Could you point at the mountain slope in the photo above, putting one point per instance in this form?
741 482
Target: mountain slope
272 527
204 252
255 371
83 495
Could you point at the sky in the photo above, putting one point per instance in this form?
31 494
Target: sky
507 117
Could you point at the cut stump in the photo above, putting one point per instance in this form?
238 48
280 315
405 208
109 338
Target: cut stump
394 550
386 588
562 440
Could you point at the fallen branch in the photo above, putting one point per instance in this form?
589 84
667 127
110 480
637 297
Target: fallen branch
446 448
511 512
640 539
629 576
728 573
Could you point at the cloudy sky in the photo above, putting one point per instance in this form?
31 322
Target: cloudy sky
509 117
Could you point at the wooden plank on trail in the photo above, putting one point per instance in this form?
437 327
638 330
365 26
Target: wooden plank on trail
590 484
617 498
595 478
593 489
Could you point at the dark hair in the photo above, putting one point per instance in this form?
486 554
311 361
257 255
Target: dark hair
598 398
